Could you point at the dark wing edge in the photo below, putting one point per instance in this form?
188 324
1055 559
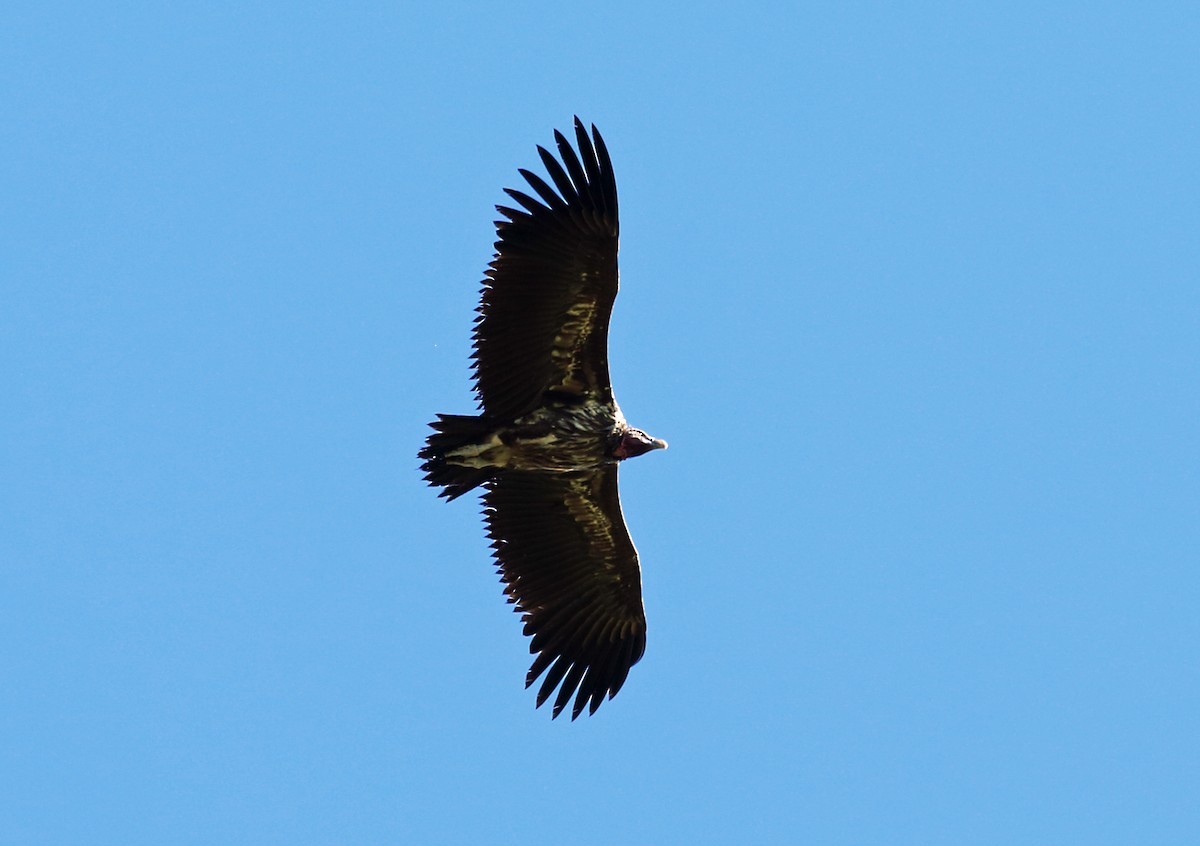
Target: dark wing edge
571 569
542 322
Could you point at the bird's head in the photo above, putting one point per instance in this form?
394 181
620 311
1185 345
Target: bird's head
634 442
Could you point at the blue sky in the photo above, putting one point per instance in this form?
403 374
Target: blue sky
911 289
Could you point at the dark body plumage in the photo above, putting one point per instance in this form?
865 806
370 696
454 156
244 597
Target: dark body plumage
546 445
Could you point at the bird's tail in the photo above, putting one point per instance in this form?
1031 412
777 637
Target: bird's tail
452 432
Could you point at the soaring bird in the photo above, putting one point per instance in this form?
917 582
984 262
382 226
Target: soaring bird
548 439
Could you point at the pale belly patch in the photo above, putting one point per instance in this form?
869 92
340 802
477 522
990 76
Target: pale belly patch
491 453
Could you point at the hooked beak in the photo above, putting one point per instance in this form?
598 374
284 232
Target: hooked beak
635 442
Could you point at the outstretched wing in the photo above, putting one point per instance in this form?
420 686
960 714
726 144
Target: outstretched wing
548 293
569 565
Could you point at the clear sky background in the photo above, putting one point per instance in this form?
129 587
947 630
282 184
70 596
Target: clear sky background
912 289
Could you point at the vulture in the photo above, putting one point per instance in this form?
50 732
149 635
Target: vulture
549 436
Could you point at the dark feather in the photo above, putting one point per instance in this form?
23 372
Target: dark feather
567 560
551 286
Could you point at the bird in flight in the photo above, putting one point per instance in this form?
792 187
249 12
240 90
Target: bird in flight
546 445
